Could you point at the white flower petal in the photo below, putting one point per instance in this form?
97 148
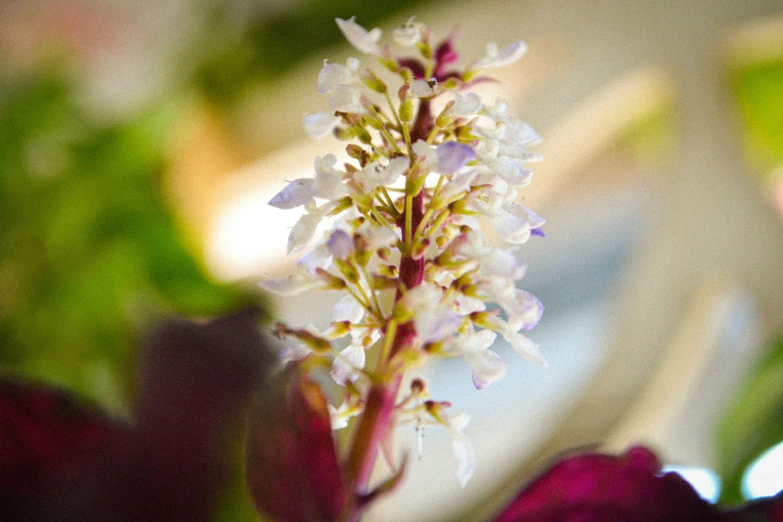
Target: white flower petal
502 263
453 155
427 153
424 88
511 170
505 56
333 75
488 367
527 312
511 228
408 35
295 194
380 237
320 124
288 286
293 351
303 231
347 309
524 347
347 364
365 41
458 185
466 457
346 99
437 325
397 166
466 105
340 244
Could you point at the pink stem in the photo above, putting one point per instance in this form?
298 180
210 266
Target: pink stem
379 408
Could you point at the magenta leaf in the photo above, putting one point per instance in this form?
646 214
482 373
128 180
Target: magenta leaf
292 468
628 488
595 487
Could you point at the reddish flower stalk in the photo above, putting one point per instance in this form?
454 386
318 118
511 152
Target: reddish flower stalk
379 409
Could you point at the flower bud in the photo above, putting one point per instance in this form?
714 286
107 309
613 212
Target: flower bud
332 282
372 81
406 110
451 84
418 386
362 134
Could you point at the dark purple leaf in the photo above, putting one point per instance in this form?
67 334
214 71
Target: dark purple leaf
195 387
292 467
45 431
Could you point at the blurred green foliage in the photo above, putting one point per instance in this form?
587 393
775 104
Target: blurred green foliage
758 88
231 60
752 424
89 253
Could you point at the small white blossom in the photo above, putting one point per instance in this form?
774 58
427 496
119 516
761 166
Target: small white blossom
328 180
500 57
347 309
380 237
299 282
375 174
511 170
524 346
452 156
320 124
424 88
295 194
433 321
359 37
348 365
409 34
340 244
466 105
332 76
346 99
304 229
487 366
463 449
340 416
426 153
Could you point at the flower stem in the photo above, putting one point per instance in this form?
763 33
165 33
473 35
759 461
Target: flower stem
379 406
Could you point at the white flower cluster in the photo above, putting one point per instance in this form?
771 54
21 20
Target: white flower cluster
405 243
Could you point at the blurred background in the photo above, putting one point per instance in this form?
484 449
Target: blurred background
141 140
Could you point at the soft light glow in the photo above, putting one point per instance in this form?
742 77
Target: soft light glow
704 480
248 237
763 478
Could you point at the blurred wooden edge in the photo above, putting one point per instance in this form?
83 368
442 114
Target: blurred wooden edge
582 136
756 42
682 366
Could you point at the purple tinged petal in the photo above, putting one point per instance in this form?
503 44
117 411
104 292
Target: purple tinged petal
537 232
340 244
295 194
452 156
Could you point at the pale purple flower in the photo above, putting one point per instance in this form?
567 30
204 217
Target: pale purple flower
453 155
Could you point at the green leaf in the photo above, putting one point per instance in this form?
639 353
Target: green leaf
752 424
